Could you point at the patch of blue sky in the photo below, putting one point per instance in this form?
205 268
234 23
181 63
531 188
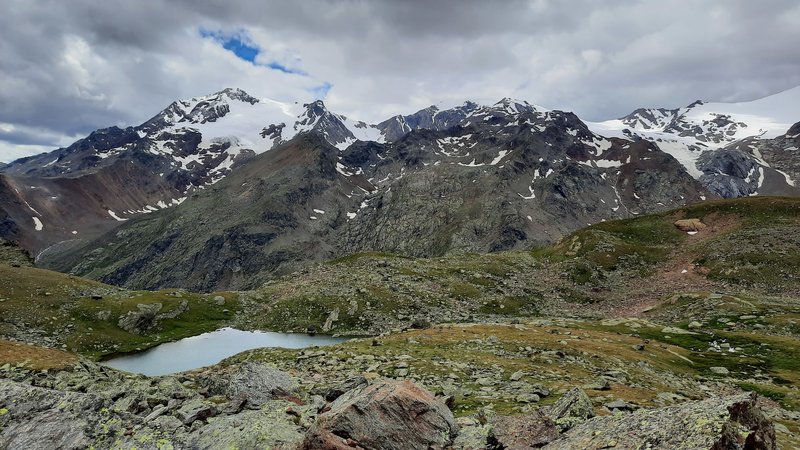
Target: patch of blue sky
242 46
322 90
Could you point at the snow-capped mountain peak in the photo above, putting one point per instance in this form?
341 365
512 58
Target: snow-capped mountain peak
689 132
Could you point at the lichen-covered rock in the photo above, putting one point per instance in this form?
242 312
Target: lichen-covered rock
36 418
255 382
269 427
472 434
194 410
721 423
137 322
388 415
572 408
522 432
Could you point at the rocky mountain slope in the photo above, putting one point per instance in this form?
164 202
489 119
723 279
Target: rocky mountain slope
509 176
439 181
721 143
114 174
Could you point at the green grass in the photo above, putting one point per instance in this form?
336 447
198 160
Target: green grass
513 306
355 257
62 307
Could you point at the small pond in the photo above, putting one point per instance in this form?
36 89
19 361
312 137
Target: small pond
210 348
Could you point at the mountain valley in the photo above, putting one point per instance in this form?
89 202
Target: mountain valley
515 275
679 309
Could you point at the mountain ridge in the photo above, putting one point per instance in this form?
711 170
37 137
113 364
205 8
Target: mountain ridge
575 174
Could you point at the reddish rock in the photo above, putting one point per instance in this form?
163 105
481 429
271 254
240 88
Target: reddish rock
388 415
690 225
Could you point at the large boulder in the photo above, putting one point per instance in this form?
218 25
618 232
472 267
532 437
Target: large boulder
720 423
255 383
138 322
388 415
572 408
522 432
690 225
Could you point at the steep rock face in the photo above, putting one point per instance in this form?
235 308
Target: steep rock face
650 118
503 181
40 211
730 173
754 166
430 118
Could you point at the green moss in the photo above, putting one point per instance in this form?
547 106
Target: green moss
464 291
513 306
766 391
62 307
355 257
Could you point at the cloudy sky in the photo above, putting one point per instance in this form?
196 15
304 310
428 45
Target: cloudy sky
69 67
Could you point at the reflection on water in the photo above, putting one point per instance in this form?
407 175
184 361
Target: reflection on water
210 348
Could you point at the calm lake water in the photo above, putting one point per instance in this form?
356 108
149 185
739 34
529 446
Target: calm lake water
210 348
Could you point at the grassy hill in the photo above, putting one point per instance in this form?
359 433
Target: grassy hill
82 316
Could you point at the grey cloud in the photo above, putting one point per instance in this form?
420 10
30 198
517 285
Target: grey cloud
67 68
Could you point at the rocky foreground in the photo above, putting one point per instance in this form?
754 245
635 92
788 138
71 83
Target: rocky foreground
253 405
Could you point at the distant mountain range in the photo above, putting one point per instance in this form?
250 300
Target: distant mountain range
223 191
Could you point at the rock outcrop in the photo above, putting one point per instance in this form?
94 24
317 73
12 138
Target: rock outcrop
689 225
733 422
387 415
573 407
252 383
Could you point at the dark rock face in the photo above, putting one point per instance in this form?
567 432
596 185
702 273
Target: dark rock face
430 118
324 122
729 173
794 131
648 119
387 415
754 166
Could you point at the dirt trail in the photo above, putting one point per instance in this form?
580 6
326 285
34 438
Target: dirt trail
678 273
